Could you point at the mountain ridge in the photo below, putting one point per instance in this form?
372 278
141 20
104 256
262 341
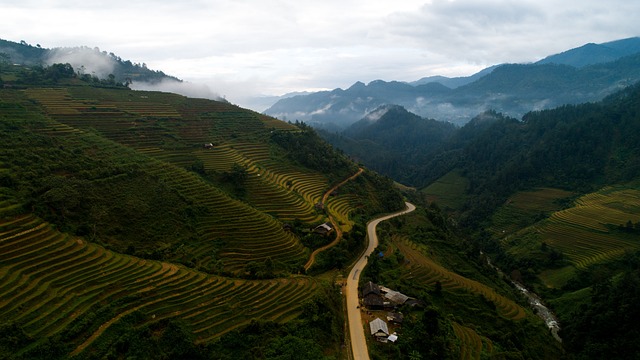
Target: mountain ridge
516 89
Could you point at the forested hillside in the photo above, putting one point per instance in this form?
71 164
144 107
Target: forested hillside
553 199
393 141
90 62
574 147
131 220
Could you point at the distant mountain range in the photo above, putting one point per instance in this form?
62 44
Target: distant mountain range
584 74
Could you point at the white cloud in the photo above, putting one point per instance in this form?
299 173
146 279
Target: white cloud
85 60
242 48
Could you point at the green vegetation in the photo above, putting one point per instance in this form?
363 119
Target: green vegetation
128 219
605 326
36 57
448 191
553 200
480 314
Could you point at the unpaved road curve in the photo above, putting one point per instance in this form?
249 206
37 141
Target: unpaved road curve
356 330
333 221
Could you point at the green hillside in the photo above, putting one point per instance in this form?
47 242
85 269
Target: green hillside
126 212
468 311
553 200
83 58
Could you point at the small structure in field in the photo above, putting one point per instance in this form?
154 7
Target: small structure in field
208 146
323 229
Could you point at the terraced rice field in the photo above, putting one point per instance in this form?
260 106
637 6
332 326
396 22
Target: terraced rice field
587 233
285 192
248 235
247 232
160 130
524 207
448 191
472 345
50 281
421 268
340 208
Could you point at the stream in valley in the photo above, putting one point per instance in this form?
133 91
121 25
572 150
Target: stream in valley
536 304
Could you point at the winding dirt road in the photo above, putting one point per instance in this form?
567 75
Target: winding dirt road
333 221
356 327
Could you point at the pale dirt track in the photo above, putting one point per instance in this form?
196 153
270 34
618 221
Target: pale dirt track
334 223
356 327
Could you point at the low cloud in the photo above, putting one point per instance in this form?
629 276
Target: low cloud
184 88
84 59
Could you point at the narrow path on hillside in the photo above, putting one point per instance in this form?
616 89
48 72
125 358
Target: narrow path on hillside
334 223
356 330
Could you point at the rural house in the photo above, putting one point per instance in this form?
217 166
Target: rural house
394 298
379 329
372 297
323 229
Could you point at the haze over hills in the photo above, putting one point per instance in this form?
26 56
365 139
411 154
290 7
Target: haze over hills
513 89
100 64
152 225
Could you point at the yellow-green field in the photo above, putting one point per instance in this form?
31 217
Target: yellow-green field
448 191
50 282
426 271
586 233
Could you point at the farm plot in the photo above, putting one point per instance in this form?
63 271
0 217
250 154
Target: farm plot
472 345
589 233
135 124
524 208
340 207
285 192
247 234
421 268
51 282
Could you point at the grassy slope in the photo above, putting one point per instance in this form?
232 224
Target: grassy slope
484 311
127 171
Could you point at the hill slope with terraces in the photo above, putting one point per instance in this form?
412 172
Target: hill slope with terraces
144 210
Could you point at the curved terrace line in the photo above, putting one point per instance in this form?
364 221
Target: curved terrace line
333 221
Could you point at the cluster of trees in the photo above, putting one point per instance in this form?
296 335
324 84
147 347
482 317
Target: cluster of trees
56 74
606 326
306 148
630 227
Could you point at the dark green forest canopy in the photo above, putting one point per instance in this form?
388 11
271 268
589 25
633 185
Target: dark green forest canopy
574 147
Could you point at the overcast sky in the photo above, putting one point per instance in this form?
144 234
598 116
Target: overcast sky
241 48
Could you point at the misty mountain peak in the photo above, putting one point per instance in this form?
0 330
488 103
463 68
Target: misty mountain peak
357 86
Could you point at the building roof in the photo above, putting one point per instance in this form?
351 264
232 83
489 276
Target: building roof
396 297
395 317
372 301
379 327
370 288
323 228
